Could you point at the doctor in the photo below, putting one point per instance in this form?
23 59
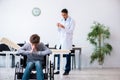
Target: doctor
65 28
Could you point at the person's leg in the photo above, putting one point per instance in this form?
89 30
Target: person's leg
27 71
68 63
39 69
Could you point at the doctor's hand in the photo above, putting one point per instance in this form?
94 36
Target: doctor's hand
60 25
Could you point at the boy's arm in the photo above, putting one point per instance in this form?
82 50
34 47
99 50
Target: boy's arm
45 51
23 50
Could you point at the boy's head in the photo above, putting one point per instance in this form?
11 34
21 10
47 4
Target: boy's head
34 39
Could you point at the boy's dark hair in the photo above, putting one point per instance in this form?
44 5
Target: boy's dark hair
64 11
34 38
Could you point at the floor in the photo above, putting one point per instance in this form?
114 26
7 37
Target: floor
84 74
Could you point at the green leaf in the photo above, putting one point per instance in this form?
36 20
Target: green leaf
96 37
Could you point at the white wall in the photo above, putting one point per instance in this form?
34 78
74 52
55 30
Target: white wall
17 23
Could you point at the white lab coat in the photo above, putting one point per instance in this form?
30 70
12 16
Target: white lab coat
66 34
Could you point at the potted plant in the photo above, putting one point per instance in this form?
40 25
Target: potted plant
97 37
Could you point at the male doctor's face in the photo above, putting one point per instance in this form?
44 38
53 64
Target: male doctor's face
64 15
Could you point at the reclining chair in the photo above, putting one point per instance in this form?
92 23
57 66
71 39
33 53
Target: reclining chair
4 47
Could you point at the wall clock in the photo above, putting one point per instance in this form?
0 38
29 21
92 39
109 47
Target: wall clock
36 11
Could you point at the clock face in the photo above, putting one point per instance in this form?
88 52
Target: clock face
36 11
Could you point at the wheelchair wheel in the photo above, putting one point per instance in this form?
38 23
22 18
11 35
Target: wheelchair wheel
51 71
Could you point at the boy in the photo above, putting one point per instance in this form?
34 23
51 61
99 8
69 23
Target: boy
35 52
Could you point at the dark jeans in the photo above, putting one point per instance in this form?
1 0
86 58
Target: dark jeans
68 62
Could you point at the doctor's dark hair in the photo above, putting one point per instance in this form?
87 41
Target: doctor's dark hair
34 38
64 11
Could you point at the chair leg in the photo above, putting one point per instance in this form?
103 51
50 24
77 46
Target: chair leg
51 71
74 63
15 76
54 61
13 61
15 71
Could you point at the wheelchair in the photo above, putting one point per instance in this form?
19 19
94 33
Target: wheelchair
48 69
